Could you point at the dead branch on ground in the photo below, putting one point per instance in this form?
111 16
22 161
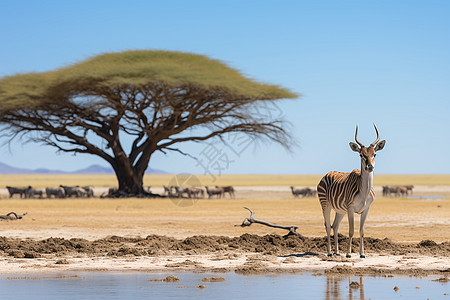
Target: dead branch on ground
249 221
12 216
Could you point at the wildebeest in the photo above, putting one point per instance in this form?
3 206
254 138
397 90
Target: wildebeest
16 190
305 192
396 190
31 192
89 192
76 191
57 192
197 192
409 188
191 192
214 192
183 190
170 191
227 189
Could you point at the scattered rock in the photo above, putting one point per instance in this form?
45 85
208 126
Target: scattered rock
289 260
252 266
62 262
427 243
213 279
31 255
219 270
201 286
396 288
169 278
16 253
442 279
186 263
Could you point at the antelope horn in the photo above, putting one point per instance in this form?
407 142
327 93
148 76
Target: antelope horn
378 136
356 137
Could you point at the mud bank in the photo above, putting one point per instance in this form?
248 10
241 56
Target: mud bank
246 254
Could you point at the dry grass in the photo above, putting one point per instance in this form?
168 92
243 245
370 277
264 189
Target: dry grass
40 181
397 219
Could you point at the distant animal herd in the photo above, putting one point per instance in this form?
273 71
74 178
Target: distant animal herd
304 192
388 191
198 192
64 191
397 190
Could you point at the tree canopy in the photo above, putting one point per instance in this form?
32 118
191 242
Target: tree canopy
132 68
151 96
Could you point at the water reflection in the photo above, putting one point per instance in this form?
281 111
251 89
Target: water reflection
94 286
335 284
360 287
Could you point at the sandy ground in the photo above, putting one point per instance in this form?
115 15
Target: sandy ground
245 263
405 235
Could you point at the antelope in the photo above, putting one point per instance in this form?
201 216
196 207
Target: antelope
349 193
227 189
214 192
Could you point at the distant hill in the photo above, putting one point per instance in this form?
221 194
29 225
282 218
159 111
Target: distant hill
92 169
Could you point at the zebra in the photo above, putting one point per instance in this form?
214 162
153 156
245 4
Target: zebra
349 193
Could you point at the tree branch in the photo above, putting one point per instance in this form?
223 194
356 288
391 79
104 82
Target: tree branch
250 220
12 216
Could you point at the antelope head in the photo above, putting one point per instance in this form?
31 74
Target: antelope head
367 153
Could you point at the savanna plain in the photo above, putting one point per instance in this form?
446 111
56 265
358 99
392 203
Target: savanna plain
406 234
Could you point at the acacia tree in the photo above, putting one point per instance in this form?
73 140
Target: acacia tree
156 98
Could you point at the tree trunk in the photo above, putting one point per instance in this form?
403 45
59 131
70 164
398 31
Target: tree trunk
130 178
130 183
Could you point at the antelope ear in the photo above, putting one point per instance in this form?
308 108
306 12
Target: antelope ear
380 145
355 147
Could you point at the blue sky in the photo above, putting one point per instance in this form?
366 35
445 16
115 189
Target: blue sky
354 62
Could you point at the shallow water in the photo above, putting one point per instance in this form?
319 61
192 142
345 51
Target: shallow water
137 286
430 197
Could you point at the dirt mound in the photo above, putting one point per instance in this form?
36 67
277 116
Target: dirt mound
213 279
155 245
169 278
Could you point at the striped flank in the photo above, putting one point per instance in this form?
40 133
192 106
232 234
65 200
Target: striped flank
338 189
